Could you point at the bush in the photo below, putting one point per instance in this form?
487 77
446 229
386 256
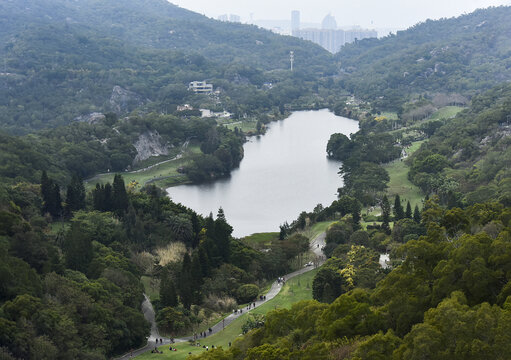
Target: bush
247 293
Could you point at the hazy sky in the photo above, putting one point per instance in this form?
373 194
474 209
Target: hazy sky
368 13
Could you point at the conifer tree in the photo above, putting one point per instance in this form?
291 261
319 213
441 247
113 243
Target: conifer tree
75 196
185 282
168 295
223 233
120 197
408 213
416 214
398 209
355 212
385 212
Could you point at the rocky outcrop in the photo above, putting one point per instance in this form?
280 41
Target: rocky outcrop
92 118
150 144
123 101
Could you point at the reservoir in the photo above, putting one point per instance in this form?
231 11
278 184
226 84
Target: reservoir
284 172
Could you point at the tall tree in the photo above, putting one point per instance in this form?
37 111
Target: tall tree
385 213
223 233
185 282
75 196
168 295
120 197
50 192
398 209
56 210
408 213
355 212
417 215
196 274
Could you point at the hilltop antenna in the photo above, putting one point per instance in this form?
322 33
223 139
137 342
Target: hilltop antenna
291 58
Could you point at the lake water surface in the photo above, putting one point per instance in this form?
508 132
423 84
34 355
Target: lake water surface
284 172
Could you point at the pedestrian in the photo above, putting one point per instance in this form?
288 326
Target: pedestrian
229 344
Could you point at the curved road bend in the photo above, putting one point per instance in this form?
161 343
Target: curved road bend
148 310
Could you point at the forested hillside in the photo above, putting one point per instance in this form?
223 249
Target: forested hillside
63 59
467 160
462 55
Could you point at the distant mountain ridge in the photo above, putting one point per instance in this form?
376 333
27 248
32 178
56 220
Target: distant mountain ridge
154 24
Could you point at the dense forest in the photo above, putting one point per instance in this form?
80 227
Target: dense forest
86 149
447 297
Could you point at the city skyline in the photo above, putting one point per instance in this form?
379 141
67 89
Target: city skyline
365 13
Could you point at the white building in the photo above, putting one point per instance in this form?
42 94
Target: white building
200 87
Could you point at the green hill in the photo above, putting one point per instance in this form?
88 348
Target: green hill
62 59
462 55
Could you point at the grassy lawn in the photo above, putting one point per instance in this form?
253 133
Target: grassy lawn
168 169
399 183
245 126
389 115
446 112
296 289
260 240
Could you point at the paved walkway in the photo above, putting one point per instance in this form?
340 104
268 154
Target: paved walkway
148 310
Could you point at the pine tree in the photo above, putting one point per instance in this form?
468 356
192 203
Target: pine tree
408 213
204 262
168 295
50 192
416 214
196 274
355 213
56 210
120 197
223 233
398 209
385 211
75 196
185 281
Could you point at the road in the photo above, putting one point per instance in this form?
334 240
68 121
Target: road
148 310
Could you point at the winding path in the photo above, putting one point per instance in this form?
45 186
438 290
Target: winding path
317 244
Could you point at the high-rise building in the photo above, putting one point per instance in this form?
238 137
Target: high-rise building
295 22
332 38
234 18
223 17
329 23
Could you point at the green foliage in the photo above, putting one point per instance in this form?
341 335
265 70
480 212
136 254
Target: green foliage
465 161
247 293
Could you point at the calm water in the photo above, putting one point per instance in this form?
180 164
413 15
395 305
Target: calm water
283 173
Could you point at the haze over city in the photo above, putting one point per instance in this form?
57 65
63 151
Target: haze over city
367 13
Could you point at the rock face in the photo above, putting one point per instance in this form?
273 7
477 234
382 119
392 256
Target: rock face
123 101
150 144
92 118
